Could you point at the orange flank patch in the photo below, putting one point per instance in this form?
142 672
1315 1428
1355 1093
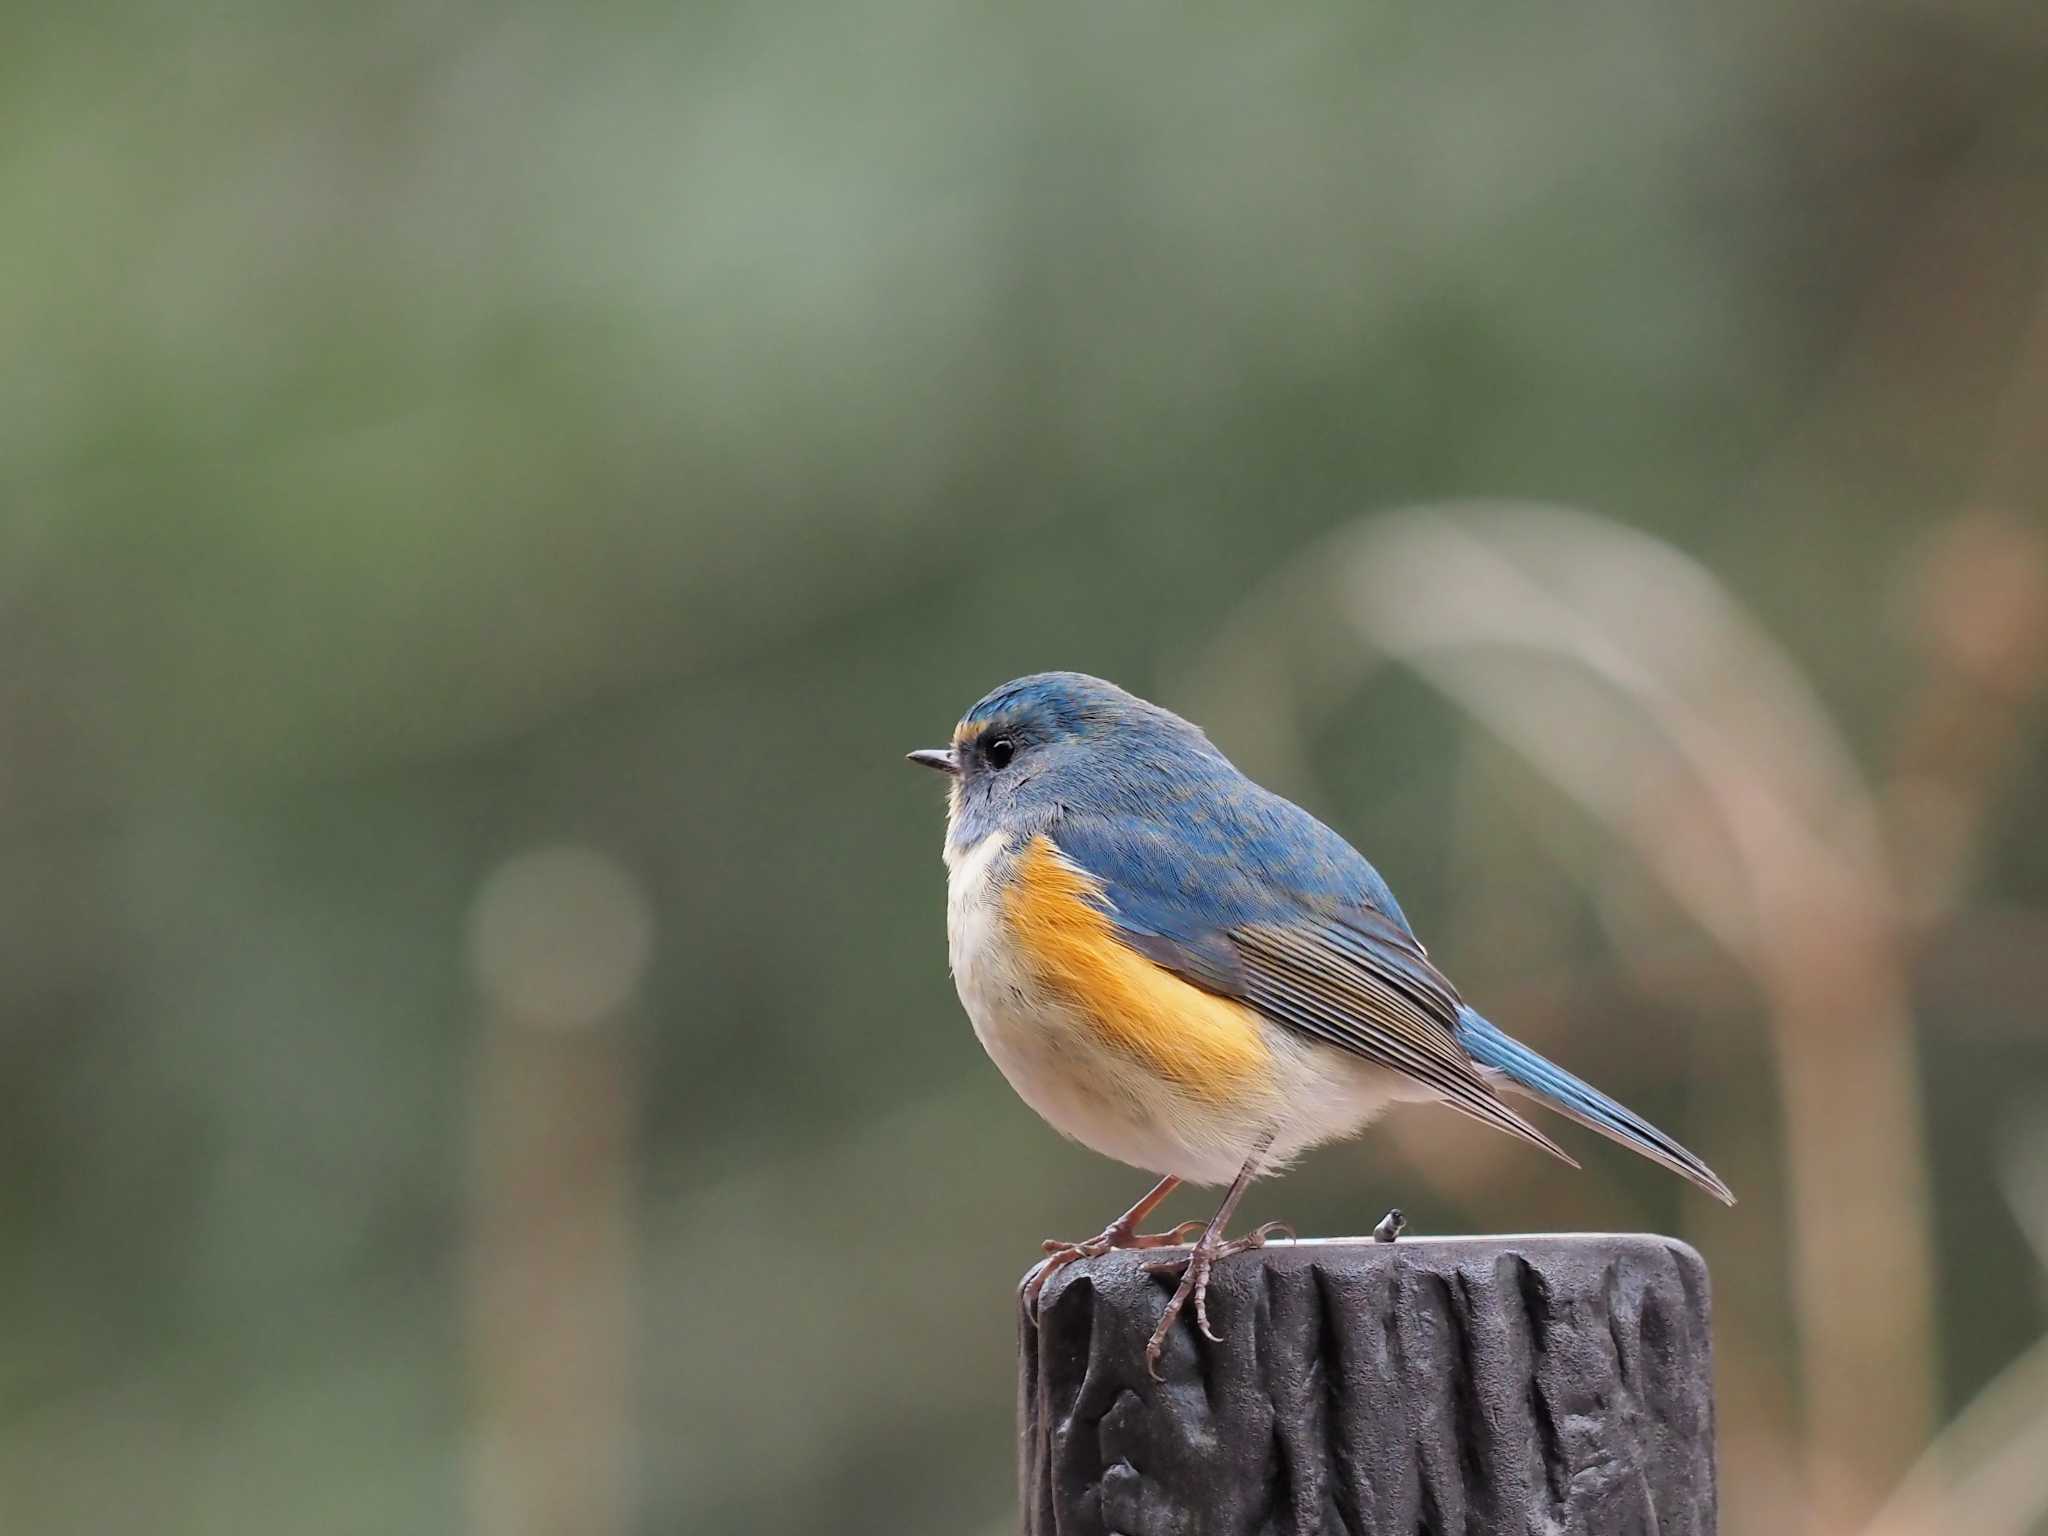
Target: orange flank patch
1206 1045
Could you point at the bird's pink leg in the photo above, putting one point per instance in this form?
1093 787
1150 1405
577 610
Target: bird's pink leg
1121 1233
1209 1247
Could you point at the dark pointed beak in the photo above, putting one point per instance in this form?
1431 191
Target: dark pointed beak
940 758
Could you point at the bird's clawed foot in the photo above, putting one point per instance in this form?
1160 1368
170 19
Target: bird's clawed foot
1193 1270
1118 1234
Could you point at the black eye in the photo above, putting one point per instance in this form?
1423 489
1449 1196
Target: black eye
999 751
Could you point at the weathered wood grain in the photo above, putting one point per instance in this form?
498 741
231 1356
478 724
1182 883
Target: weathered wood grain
1557 1385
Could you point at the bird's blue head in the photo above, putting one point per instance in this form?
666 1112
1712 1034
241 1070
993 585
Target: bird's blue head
1061 740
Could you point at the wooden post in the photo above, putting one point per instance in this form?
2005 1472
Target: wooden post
1555 1386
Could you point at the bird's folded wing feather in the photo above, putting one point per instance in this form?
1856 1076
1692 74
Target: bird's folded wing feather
1295 923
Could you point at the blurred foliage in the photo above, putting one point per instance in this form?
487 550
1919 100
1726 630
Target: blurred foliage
435 433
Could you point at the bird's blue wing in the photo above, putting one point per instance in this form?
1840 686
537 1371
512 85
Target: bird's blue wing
1248 896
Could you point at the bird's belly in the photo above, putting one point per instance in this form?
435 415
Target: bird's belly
1061 1063
1056 1060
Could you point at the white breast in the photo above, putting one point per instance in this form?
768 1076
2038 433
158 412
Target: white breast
973 947
1053 1058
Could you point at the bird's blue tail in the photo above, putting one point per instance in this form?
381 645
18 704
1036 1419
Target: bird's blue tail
1550 1085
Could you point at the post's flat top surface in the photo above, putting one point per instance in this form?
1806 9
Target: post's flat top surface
1550 1383
1349 1252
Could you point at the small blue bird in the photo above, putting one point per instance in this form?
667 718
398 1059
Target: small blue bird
1192 975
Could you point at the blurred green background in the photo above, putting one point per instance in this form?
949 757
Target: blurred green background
488 493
